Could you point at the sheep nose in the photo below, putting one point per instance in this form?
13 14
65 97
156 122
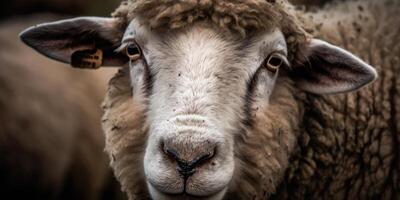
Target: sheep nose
187 159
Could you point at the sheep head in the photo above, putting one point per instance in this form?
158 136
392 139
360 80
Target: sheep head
203 105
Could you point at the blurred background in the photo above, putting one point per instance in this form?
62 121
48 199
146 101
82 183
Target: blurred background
51 144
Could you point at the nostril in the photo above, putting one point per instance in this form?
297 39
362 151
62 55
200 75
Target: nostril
171 153
187 158
203 158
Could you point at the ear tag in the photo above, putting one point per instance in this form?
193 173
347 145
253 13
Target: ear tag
91 59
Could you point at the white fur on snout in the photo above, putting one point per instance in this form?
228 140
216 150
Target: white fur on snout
209 178
162 175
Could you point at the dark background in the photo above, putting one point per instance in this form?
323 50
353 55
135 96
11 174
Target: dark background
64 7
81 7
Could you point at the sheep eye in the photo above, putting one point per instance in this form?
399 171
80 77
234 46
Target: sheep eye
133 51
273 63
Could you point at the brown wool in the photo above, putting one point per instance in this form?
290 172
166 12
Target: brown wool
238 16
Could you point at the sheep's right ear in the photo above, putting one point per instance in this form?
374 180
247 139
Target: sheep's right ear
84 42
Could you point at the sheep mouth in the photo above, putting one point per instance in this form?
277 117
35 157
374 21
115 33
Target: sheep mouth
187 196
218 195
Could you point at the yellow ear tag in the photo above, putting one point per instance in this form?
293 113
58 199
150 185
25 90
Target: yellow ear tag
88 59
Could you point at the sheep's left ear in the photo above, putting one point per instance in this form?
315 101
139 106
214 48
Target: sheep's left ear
83 42
329 69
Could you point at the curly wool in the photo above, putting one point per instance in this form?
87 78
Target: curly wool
349 146
238 16
126 135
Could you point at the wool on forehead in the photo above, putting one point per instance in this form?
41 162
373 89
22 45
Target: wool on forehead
237 16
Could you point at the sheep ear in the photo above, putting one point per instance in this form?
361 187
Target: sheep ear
85 42
329 69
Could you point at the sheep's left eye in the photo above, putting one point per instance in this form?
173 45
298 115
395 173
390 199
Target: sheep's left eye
133 51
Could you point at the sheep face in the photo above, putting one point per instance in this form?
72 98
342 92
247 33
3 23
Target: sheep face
197 101
209 100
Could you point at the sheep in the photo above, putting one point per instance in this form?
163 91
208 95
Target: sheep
51 143
239 100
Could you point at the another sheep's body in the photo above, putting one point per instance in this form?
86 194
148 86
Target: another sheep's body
338 146
349 144
51 145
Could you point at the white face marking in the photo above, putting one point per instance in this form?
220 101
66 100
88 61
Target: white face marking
200 81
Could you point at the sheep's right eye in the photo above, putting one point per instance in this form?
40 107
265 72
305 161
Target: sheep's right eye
133 51
275 61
